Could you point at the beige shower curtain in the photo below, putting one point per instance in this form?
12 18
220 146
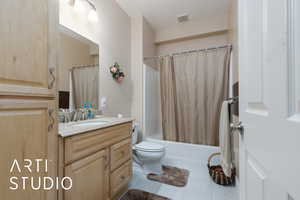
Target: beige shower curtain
168 100
85 81
194 85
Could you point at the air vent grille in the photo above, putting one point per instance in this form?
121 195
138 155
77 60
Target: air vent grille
182 18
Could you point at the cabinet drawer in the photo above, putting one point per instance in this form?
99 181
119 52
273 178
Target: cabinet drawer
120 153
82 145
120 178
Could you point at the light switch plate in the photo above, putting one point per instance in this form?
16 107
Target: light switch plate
103 102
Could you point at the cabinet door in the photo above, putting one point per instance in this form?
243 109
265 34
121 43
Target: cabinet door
90 178
28 40
28 130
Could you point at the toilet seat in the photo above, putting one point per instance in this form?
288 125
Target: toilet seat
149 147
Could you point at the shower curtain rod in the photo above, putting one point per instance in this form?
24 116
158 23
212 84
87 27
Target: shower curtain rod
83 66
191 51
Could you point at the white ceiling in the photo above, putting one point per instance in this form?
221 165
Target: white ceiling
163 13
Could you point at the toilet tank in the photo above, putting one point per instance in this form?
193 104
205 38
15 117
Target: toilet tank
135 134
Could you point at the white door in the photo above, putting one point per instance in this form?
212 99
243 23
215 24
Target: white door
269 46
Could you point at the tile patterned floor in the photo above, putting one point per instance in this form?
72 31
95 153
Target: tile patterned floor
199 187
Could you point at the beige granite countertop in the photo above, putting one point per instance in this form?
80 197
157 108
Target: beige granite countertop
73 128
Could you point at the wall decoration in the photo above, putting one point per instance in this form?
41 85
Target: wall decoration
117 73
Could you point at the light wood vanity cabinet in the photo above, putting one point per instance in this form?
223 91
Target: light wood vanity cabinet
99 162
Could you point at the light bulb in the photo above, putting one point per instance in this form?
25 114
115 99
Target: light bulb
93 16
70 2
79 6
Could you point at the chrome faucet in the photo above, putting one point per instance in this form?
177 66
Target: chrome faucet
66 115
79 115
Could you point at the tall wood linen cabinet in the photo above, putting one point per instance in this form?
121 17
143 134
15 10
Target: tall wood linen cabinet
28 66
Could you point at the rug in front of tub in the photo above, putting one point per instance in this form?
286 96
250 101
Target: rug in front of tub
142 195
171 176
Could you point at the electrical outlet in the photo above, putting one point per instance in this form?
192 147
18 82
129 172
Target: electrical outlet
103 103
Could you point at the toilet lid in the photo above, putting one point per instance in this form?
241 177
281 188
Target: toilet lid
149 146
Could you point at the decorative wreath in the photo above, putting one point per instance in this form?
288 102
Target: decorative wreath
117 73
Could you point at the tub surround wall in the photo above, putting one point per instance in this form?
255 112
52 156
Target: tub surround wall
153 125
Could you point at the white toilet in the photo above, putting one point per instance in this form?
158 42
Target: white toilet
149 154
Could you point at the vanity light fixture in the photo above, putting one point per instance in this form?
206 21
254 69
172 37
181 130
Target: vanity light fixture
93 16
80 7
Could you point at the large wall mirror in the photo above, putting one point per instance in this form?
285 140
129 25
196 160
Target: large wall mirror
78 72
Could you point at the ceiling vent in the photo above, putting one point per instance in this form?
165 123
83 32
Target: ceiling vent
182 18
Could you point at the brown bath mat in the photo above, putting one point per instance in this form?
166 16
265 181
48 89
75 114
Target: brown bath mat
171 176
141 195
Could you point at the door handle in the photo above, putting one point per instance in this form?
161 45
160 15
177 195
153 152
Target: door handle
51 119
52 76
237 127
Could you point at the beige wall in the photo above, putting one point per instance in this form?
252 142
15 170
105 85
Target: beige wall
180 35
174 47
137 72
149 48
191 28
112 33
73 52
233 38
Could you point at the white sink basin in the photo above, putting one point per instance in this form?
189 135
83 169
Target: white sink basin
72 128
89 123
